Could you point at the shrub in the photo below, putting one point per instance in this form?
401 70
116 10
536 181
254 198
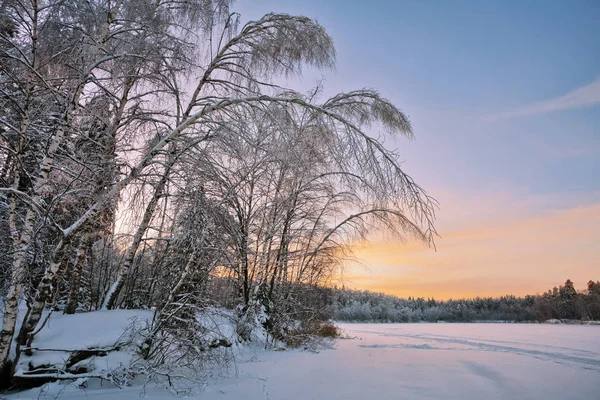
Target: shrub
308 333
329 330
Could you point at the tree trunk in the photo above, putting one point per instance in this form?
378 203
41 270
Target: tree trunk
116 287
281 257
162 318
11 307
11 302
44 289
244 262
77 272
15 289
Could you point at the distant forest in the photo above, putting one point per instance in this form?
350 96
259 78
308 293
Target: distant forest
563 302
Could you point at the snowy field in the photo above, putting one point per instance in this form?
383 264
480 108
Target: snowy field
407 361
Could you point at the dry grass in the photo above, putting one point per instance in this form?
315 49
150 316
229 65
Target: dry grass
310 331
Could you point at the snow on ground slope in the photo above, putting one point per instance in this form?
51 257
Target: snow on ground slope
99 330
410 361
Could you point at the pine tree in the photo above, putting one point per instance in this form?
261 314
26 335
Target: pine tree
566 301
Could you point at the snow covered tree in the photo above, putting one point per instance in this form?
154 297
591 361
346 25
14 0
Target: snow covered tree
234 174
566 301
57 55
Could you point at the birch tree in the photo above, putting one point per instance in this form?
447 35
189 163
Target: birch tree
302 180
68 49
174 101
261 46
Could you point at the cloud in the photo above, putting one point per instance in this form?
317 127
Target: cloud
584 96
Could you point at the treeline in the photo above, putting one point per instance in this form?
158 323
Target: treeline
563 302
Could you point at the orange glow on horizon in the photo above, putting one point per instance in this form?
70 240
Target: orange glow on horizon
521 253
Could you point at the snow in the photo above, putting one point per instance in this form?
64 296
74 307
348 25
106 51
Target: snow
432 361
100 329
402 361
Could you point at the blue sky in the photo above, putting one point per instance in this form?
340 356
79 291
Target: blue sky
504 98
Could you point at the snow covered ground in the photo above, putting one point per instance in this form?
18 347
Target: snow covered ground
405 361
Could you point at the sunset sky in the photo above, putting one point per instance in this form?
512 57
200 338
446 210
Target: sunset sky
504 98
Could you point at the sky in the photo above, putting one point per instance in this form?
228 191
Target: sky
504 99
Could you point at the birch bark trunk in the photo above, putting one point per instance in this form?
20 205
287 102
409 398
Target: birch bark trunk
28 229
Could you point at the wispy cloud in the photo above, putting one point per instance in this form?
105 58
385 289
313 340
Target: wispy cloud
584 96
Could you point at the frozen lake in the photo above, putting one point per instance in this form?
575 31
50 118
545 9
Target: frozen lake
432 361
405 361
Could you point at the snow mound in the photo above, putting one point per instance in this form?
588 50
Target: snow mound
95 344
109 345
93 330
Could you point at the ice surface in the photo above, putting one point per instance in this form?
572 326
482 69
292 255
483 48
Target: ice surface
433 361
408 361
